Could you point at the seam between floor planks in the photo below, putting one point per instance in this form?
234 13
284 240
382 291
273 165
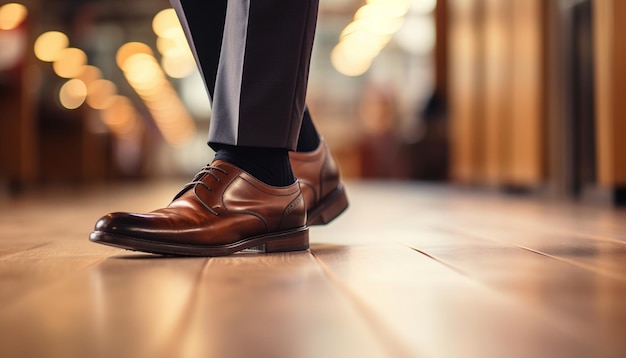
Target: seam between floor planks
578 264
43 287
375 323
501 302
20 252
566 322
536 310
273 272
186 316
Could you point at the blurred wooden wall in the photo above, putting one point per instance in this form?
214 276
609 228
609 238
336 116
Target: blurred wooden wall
610 68
18 139
497 115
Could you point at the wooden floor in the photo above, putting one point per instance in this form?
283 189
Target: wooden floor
411 270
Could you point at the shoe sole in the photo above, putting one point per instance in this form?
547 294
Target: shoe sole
292 240
329 208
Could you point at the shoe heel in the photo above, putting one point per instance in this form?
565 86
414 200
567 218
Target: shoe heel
331 207
292 241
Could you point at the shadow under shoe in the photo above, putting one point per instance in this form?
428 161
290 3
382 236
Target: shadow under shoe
223 210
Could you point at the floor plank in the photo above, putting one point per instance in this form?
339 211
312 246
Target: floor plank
126 306
411 270
279 305
31 270
439 311
590 304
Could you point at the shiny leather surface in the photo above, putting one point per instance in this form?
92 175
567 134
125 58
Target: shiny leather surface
317 173
223 205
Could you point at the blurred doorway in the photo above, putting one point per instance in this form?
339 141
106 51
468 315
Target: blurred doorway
572 164
581 94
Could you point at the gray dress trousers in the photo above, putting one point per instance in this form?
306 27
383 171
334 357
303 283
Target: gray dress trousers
254 57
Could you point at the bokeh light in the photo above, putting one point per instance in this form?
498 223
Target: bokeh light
381 10
166 24
417 35
120 116
142 71
89 74
73 94
347 65
129 49
178 65
177 60
49 45
375 24
146 77
13 48
70 62
12 15
99 93
423 6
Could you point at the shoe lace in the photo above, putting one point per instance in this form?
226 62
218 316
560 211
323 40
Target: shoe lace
193 184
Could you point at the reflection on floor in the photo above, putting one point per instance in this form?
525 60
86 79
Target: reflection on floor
410 270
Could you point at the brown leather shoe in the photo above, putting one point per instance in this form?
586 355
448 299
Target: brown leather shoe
222 211
324 195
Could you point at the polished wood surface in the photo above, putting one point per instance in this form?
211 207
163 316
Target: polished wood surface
466 93
610 83
411 270
497 90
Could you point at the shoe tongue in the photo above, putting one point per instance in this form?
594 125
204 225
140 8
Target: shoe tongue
218 163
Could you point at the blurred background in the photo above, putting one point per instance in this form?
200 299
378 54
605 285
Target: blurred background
518 95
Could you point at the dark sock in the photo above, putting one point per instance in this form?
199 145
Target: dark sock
269 165
308 139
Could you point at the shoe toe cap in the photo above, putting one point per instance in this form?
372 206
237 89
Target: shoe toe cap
109 222
116 222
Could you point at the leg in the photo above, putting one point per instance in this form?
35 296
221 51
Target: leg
203 22
323 193
225 209
258 104
254 57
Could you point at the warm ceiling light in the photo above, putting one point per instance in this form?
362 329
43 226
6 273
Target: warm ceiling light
371 30
99 93
178 66
70 62
89 74
166 45
12 15
49 45
374 26
423 6
348 64
404 3
120 116
145 75
380 10
73 94
166 24
142 71
365 44
417 35
130 49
